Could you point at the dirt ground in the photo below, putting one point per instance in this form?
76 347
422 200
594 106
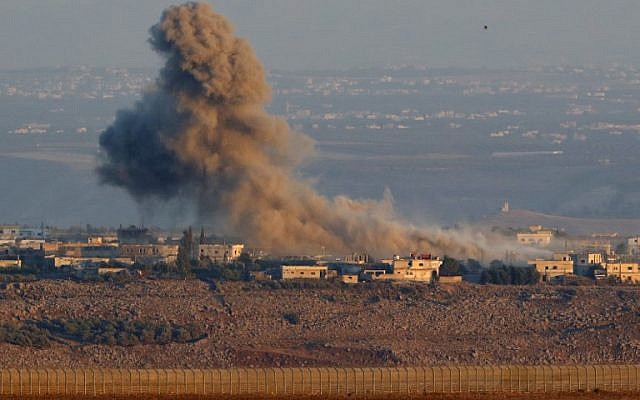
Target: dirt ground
368 325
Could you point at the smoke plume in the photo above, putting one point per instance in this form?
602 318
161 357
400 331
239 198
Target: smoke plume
202 133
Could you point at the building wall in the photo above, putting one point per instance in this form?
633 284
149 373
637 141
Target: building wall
220 253
9 232
587 244
10 263
589 259
450 279
633 246
553 268
349 278
12 232
542 238
150 253
77 261
413 269
303 272
626 272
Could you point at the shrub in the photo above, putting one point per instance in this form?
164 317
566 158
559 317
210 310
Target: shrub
292 318
24 335
121 332
451 267
509 275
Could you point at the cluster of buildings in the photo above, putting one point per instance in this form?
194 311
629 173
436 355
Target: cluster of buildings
596 256
108 251
415 267
593 265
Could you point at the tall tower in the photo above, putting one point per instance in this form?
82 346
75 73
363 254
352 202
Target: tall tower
505 207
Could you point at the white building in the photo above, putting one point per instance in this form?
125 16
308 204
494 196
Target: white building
541 238
304 271
633 246
220 253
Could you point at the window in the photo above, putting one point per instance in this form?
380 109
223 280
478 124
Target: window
312 273
555 267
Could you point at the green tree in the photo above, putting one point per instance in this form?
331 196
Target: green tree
450 267
185 251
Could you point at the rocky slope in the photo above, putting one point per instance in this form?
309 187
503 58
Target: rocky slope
363 325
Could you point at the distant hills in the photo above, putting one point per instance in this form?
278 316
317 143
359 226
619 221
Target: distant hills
576 226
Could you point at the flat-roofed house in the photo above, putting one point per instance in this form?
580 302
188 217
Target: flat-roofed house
150 253
304 271
220 253
625 271
415 268
540 238
549 269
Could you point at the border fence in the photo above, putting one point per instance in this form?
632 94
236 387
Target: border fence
319 381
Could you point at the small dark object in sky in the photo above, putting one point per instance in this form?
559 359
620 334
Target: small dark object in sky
486 27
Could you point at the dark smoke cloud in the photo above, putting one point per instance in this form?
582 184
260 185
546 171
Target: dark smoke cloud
202 133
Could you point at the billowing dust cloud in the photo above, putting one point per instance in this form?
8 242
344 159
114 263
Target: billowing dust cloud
202 133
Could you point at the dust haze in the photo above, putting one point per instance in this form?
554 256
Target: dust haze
202 134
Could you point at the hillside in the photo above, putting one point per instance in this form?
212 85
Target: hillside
576 226
370 325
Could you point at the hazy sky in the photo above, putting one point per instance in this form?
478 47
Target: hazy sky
304 34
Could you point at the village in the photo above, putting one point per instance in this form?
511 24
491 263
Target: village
103 253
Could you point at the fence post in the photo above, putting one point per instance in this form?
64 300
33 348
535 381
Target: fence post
20 382
10 382
143 388
275 381
38 379
313 372
619 376
158 385
264 380
373 381
406 380
185 382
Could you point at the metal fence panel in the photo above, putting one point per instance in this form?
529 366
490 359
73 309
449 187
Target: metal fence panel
319 381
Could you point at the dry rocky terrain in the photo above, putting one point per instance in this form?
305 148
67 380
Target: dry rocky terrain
362 325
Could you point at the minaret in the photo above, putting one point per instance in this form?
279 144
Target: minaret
505 207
